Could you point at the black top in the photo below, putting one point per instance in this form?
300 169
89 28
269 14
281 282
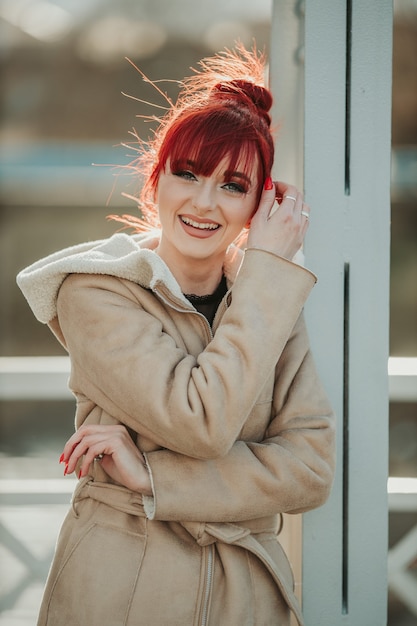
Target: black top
207 304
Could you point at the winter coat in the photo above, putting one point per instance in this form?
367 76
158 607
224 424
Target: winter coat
233 422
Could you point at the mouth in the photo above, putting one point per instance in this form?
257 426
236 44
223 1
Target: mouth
203 227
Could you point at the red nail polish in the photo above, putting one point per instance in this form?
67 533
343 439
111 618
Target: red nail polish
66 469
80 473
61 458
268 184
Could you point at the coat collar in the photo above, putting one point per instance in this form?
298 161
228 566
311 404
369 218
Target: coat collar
131 257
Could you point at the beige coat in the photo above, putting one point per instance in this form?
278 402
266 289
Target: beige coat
233 421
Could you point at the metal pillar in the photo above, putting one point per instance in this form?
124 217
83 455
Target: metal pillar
343 133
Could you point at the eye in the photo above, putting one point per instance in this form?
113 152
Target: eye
185 174
235 187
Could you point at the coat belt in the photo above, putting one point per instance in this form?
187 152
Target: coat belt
116 496
232 534
124 500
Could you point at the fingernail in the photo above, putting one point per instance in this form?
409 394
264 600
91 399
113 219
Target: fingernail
80 473
61 458
66 469
268 184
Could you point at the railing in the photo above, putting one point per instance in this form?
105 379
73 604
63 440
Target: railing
45 378
34 378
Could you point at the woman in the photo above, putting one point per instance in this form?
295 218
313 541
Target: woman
200 417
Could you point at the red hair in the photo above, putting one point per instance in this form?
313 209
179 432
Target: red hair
222 112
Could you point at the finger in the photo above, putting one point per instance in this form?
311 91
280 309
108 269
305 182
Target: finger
305 219
78 436
305 212
76 456
83 444
92 455
284 189
69 448
267 199
292 198
289 203
274 209
98 442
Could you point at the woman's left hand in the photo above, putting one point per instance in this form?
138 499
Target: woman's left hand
119 456
281 220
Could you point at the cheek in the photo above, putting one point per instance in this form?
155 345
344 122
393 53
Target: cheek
170 194
161 188
165 199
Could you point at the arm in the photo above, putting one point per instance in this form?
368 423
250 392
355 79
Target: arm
291 470
123 361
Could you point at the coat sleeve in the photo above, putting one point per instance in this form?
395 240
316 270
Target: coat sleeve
126 362
290 471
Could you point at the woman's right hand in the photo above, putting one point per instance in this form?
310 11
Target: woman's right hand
280 223
115 449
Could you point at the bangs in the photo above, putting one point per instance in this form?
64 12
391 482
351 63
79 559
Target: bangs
207 140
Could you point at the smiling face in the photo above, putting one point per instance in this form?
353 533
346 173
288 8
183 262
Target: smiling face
202 215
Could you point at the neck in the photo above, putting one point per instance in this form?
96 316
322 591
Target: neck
197 280
197 276
203 287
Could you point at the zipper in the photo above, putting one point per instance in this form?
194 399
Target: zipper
181 309
208 585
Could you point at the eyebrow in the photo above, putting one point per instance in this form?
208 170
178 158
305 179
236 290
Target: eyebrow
231 174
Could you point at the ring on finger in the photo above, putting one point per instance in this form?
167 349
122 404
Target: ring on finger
307 215
290 198
98 457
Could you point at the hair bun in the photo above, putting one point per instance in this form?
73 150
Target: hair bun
246 90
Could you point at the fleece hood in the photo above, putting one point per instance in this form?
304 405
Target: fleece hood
131 257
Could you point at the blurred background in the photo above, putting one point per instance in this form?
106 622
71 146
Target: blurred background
63 76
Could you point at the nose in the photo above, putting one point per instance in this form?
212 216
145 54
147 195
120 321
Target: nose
204 198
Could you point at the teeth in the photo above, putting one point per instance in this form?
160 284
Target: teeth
203 226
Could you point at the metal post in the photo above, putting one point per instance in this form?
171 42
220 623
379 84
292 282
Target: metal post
346 129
